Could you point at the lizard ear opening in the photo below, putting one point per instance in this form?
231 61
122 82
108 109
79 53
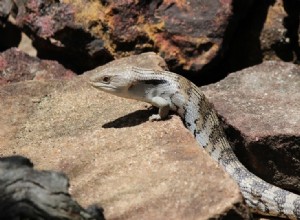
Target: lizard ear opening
131 86
133 83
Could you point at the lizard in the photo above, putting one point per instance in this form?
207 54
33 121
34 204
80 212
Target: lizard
171 92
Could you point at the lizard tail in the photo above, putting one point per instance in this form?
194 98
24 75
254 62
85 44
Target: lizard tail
260 196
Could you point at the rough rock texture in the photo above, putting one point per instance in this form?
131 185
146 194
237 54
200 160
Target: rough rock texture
280 35
16 66
83 34
262 112
25 45
26 193
57 36
136 169
5 8
202 39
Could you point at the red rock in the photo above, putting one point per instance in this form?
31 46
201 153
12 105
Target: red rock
84 34
16 66
205 39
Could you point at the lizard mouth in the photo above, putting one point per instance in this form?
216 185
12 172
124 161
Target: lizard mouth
102 86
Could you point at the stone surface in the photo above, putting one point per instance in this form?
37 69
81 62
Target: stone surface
5 8
27 193
56 35
114 156
280 35
25 45
16 66
188 34
261 109
81 34
203 40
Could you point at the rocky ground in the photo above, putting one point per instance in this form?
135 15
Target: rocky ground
113 156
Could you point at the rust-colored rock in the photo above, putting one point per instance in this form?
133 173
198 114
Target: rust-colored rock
261 109
56 34
16 66
136 169
202 39
189 35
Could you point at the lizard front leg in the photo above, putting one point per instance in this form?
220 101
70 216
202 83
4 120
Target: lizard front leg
163 108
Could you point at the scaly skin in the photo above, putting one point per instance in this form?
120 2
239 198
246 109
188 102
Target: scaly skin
169 91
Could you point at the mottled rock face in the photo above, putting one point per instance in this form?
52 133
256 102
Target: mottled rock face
44 17
17 66
203 39
187 34
84 34
56 34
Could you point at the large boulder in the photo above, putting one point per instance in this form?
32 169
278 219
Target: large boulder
114 156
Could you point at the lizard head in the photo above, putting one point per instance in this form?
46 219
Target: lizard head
112 79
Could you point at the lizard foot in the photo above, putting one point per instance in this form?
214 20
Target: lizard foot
155 117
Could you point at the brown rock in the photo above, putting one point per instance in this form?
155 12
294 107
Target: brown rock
16 66
280 35
187 34
261 109
136 169
273 32
56 35
5 8
82 34
204 40
25 45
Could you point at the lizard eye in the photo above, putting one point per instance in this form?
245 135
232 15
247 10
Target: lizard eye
106 79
